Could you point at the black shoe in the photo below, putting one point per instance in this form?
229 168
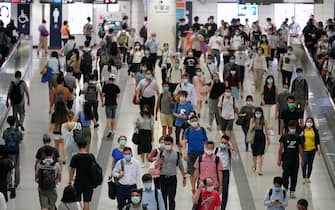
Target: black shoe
96 125
22 128
109 134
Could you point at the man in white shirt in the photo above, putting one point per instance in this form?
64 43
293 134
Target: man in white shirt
209 68
151 197
227 109
128 171
288 63
294 28
215 45
189 88
241 58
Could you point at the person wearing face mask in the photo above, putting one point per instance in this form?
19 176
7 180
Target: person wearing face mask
228 67
311 141
153 45
154 156
146 91
165 107
227 107
136 55
268 99
151 197
168 162
197 40
237 40
206 197
216 89
208 165
258 67
281 103
117 152
165 62
190 63
300 90
275 198
195 138
185 85
289 150
200 87
224 152
246 113
291 113
128 171
287 63
234 82
241 58
261 139
264 44
181 110
208 69
211 26
215 45
226 49
174 75
135 201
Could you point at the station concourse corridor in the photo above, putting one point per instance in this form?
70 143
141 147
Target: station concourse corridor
320 193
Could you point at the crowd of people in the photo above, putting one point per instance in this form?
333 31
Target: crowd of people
8 36
214 66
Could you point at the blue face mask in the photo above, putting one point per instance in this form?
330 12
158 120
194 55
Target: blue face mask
270 81
147 186
135 199
127 157
148 76
291 105
165 89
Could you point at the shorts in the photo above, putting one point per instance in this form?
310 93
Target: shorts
166 120
48 198
77 75
58 138
85 191
111 111
191 158
227 125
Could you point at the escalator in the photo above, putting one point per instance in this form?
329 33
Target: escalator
20 58
321 107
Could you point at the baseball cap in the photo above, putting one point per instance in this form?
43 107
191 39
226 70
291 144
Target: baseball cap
112 76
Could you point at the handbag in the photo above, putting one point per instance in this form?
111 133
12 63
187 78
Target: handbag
136 137
251 136
153 171
44 70
240 120
47 76
111 188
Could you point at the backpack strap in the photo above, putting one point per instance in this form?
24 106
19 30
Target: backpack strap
199 161
217 160
178 158
270 193
122 165
160 101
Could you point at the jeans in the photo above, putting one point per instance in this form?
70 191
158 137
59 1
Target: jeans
169 189
213 111
308 164
217 55
123 195
290 174
19 112
245 132
88 38
16 159
225 188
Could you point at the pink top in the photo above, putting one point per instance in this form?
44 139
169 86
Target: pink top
208 168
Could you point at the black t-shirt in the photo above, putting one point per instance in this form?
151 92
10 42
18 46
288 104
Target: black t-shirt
6 166
211 28
289 115
111 91
190 64
82 163
291 144
217 90
40 155
183 29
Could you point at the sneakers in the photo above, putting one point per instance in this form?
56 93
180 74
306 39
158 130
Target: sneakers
261 173
110 133
292 195
96 125
22 128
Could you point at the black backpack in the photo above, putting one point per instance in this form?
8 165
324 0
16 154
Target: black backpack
95 173
47 176
91 94
143 32
16 95
78 135
12 139
86 62
144 207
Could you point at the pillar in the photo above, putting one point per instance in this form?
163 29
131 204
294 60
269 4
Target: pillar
162 20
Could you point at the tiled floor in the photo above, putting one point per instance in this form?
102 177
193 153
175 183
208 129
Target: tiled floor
320 192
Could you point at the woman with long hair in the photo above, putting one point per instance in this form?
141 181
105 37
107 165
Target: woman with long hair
259 125
58 117
311 140
86 117
74 62
268 99
264 44
258 66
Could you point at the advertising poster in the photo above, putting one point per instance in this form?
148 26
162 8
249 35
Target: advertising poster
188 12
55 25
23 18
5 14
180 10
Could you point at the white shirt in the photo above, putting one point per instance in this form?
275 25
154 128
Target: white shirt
241 58
189 88
208 70
175 75
132 172
289 62
213 42
223 154
3 205
227 105
137 56
294 28
236 42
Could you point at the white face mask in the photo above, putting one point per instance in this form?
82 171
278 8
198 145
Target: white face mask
249 102
210 188
258 116
209 152
198 73
233 72
185 81
168 147
194 124
183 99
227 94
309 124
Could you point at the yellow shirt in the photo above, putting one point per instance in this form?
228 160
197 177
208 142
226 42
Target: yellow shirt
266 49
309 139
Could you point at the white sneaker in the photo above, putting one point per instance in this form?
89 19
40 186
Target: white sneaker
292 195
